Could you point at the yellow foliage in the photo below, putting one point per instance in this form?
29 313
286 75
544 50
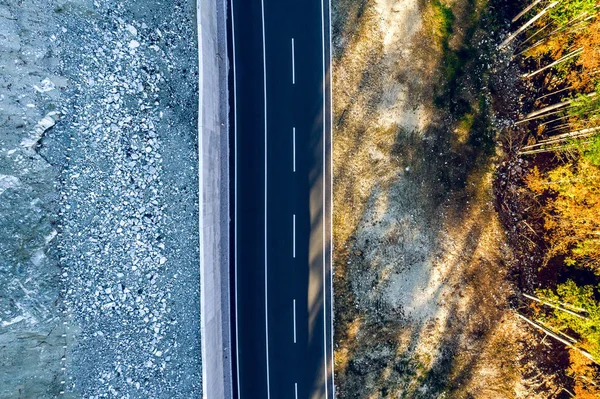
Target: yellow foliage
554 47
572 213
534 181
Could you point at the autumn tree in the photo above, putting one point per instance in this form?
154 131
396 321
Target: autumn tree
557 45
584 319
572 211
585 374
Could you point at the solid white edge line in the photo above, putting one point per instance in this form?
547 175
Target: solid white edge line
324 207
293 64
262 4
331 194
294 236
235 208
294 148
296 390
294 321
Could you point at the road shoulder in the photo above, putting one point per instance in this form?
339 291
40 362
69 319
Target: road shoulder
213 150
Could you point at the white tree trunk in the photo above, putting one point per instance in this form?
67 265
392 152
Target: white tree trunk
559 339
553 93
558 61
561 138
526 10
527 24
552 149
549 108
576 133
554 306
568 27
568 337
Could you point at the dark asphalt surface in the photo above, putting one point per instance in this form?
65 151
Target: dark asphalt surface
267 276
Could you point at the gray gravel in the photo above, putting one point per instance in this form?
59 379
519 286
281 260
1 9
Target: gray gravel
111 222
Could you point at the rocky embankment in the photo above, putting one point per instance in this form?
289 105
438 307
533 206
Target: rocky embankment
32 333
98 179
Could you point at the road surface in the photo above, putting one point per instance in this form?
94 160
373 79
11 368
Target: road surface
281 218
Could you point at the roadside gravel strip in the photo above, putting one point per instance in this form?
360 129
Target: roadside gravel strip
126 149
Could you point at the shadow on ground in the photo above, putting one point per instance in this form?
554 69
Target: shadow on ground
421 299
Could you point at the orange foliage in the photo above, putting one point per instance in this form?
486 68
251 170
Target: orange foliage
571 217
585 374
589 61
590 41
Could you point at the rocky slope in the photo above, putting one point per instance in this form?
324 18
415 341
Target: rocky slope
99 200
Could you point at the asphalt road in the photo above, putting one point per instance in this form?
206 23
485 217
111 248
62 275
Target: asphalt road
281 218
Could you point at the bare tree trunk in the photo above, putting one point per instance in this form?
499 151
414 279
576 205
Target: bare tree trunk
549 108
567 28
540 151
553 93
526 10
527 24
552 149
556 128
563 137
527 119
559 339
568 305
568 337
583 377
591 119
554 306
577 133
530 38
558 61
556 120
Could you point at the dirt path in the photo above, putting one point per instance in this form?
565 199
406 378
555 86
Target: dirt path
420 265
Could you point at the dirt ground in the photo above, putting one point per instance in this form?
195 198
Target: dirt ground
421 261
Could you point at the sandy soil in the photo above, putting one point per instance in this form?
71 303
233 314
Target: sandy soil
421 259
